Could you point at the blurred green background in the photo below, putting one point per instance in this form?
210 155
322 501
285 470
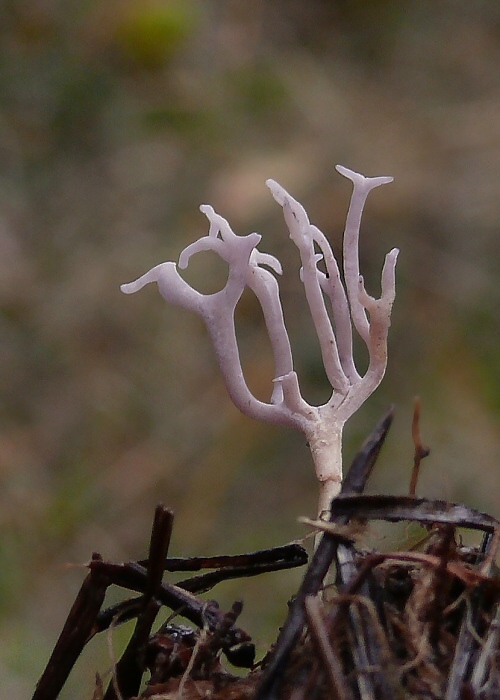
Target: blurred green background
117 119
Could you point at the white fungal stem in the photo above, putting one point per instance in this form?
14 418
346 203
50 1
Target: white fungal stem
350 307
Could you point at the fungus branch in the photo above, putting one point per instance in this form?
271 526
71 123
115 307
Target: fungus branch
350 306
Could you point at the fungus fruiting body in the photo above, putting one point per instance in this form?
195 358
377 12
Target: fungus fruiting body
349 307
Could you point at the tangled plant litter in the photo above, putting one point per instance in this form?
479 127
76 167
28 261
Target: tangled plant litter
351 307
421 624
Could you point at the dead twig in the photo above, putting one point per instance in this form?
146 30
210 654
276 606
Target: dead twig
421 510
74 635
129 670
420 450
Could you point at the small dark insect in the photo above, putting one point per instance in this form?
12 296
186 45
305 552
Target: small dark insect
241 655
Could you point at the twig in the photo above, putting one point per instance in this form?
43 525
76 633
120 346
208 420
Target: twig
158 549
295 556
287 555
364 460
423 510
129 670
75 633
420 451
232 567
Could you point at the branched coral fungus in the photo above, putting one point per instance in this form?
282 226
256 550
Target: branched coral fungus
350 306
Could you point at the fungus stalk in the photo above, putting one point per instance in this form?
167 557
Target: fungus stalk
349 306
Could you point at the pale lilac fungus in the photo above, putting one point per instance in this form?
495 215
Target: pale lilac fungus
350 306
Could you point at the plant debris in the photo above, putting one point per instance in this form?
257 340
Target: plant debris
172 649
422 624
